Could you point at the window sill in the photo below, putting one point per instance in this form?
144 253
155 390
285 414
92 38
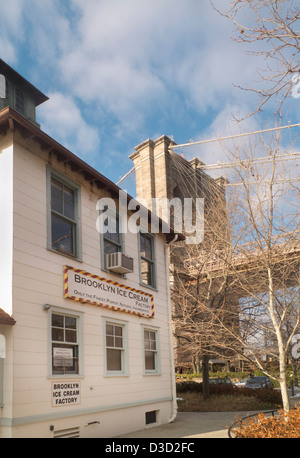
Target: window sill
146 374
65 376
144 285
75 258
108 374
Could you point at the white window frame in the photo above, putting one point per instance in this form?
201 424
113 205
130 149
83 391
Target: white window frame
124 351
157 369
79 320
153 285
55 174
120 244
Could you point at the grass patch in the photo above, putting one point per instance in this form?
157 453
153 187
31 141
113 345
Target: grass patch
193 402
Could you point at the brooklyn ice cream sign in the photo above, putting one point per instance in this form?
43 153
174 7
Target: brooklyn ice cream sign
85 287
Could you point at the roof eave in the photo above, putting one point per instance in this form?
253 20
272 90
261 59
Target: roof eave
8 117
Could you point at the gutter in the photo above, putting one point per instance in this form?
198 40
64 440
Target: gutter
11 118
172 360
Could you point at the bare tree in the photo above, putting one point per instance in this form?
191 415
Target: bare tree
270 29
201 298
238 292
266 239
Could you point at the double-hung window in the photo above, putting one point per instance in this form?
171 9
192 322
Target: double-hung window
64 344
63 215
112 237
151 351
115 348
147 260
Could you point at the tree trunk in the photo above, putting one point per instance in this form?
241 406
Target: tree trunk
205 380
283 384
281 351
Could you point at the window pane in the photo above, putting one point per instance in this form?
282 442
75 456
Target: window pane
142 244
118 330
114 360
57 320
110 341
57 335
64 359
56 188
150 340
149 360
146 246
62 235
110 248
69 210
56 203
70 336
113 231
69 195
118 342
109 329
146 340
70 322
152 337
146 272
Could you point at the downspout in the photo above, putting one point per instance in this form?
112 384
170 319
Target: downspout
173 379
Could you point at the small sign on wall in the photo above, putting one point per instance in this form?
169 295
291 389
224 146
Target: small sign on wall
63 357
65 393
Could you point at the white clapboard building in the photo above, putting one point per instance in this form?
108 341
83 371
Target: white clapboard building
85 317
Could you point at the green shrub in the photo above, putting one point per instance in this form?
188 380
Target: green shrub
184 387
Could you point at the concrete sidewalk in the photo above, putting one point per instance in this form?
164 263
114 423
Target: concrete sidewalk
192 425
199 424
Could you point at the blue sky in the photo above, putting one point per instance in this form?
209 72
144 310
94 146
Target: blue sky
120 71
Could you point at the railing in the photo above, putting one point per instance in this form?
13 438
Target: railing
241 420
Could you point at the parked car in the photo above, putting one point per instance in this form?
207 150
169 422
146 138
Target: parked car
259 382
219 381
242 383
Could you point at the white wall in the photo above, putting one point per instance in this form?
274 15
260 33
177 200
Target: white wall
6 222
38 279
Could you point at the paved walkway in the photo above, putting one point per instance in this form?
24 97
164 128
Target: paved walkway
197 424
192 425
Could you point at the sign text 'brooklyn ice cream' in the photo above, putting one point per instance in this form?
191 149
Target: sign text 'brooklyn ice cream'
85 287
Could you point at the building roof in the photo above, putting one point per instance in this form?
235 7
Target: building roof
5 318
15 77
9 119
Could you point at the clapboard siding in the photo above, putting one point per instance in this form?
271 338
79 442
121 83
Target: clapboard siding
38 280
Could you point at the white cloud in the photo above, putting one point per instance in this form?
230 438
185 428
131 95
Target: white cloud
125 63
10 28
129 57
64 121
7 50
